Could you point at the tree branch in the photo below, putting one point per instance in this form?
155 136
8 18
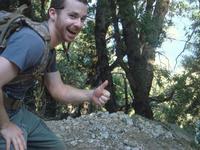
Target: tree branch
184 48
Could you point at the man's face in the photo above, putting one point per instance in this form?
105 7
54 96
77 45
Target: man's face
70 20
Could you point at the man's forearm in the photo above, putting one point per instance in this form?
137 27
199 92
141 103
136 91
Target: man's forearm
69 94
4 119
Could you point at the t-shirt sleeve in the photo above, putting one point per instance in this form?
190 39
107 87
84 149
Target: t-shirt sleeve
24 48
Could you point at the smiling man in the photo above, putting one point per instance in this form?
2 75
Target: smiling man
19 128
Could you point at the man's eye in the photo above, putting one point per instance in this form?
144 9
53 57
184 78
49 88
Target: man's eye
73 16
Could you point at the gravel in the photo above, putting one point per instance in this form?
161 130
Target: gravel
118 131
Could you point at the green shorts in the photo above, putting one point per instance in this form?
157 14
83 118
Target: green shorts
36 132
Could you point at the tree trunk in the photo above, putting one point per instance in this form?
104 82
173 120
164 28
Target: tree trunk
140 42
102 23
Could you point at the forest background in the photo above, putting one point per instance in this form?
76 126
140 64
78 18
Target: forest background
120 43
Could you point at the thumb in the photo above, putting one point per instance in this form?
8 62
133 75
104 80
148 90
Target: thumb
104 84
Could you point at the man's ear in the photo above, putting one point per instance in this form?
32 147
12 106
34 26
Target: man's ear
52 14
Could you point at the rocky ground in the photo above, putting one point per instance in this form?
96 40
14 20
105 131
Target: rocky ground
117 131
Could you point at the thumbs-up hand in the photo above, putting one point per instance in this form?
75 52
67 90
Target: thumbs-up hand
101 95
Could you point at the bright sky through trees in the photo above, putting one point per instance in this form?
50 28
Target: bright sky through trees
174 45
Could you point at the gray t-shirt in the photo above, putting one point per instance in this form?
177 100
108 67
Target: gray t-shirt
25 49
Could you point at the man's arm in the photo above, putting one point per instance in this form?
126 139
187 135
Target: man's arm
68 94
7 73
9 131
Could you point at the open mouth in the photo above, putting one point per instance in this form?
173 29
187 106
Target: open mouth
71 32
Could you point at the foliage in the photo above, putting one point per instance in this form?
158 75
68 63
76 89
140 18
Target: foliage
175 97
123 91
185 88
162 80
192 63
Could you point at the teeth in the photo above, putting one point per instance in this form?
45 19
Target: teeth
71 32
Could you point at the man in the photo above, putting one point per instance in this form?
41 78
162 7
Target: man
19 128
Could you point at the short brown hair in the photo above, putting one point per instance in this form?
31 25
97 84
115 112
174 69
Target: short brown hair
59 4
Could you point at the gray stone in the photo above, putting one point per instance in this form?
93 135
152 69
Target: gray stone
118 131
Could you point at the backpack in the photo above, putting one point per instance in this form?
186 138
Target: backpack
13 21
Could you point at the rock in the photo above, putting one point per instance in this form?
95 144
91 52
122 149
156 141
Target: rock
118 131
